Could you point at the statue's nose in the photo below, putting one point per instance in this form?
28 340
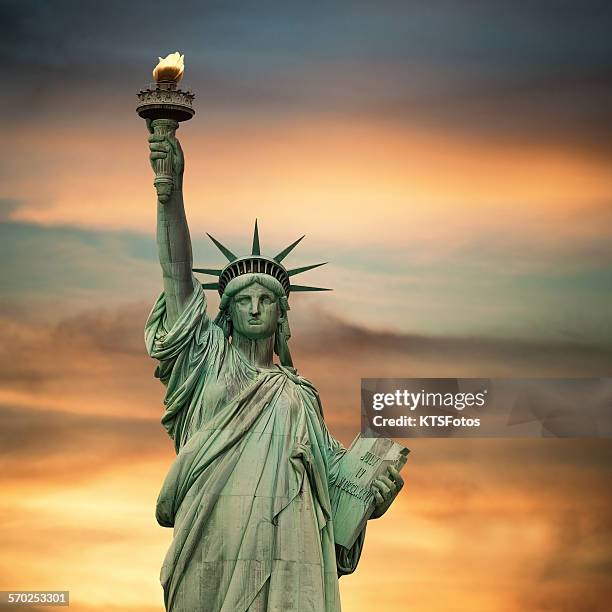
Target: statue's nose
254 306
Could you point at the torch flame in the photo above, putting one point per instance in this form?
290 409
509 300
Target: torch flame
170 68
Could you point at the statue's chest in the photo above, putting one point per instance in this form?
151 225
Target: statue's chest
286 413
220 389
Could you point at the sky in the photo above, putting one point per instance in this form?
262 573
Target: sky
450 160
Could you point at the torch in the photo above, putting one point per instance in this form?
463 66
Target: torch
165 106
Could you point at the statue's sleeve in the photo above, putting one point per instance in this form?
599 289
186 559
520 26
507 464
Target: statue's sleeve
187 351
335 451
166 343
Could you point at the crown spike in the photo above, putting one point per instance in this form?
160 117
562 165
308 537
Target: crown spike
304 288
255 249
304 269
288 250
210 285
228 254
211 271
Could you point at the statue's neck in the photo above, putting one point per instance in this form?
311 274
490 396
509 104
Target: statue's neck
260 353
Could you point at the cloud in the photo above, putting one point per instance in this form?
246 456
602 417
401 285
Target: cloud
7 207
460 157
66 269
80 472
44 446
89 364
443 353
485 522
95 363
505 72
533 276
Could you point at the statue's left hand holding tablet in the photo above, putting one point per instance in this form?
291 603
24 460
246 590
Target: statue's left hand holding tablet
385 491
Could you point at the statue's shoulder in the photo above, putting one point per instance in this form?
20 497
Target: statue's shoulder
292 374
214 330
305 386
213 335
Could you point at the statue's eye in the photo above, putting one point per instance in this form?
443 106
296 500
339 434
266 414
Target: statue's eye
266 300
243 301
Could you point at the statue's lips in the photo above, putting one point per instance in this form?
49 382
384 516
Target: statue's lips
255 321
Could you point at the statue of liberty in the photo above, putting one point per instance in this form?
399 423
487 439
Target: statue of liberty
248 495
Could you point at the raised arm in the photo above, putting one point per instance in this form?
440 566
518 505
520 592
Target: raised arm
173 240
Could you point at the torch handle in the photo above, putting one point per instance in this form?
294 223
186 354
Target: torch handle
164 177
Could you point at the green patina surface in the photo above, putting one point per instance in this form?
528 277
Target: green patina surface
248 495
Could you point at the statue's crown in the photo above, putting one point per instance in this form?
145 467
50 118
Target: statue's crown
256 263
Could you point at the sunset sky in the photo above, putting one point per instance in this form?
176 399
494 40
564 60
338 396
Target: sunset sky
451 160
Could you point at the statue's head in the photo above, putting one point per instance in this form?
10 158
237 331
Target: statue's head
254 291
255 305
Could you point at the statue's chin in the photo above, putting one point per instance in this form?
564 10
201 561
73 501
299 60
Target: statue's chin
255 336
255 332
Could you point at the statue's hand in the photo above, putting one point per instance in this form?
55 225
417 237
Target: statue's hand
385 490
162 146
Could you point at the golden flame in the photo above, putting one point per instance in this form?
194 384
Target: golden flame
170 68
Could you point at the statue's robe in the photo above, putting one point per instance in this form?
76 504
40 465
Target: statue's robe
248 493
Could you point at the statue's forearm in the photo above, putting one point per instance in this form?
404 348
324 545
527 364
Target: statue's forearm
175 257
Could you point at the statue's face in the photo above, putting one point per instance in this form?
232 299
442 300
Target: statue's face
255 312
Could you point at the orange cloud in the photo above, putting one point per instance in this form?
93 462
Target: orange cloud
349 181
480 525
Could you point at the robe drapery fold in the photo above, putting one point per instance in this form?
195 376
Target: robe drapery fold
248 493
